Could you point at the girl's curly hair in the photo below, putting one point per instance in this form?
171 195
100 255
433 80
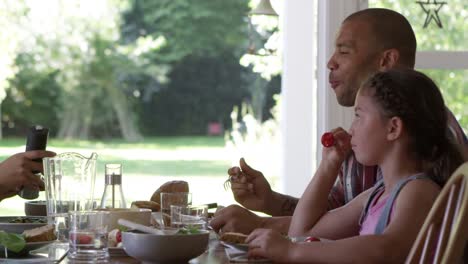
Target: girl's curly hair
416 99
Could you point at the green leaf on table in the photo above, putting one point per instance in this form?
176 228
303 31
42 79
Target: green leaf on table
13 242
122 228
189 230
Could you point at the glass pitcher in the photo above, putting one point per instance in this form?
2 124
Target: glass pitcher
69 186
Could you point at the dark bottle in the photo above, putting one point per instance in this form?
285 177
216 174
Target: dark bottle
36 140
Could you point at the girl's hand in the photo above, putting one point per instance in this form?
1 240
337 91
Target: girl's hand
269 244
340 149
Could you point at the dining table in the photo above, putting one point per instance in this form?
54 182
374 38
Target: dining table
215 254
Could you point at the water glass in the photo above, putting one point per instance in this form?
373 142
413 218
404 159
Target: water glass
87 237
189 216
168 199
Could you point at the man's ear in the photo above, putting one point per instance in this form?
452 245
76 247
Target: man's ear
389 59
394 128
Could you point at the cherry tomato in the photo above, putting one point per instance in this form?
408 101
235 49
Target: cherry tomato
118 237
311 239
81 239
328 140
84 239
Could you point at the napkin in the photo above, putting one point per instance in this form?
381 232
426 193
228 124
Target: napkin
240 256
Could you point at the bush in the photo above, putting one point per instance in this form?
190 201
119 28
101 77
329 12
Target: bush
201 90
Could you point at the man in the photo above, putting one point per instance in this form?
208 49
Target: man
368 41
16 172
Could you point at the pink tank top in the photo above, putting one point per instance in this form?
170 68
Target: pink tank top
373 215
376 215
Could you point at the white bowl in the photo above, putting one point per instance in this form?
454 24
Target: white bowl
177 248
140 216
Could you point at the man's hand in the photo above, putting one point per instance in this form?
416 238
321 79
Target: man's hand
16 172
235 219
249 187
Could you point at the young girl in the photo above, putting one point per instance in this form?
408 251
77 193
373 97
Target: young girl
400 125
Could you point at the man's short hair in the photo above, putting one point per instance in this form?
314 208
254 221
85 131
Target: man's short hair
391 30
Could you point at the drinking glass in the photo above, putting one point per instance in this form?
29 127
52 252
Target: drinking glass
168 199
189 216
87 237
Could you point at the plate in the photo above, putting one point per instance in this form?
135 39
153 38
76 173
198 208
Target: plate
24 252
18 228
241 247
237 253
245 259
117 252
28 259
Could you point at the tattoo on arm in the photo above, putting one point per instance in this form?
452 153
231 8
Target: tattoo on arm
288 206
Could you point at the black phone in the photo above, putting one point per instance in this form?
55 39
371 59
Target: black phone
35 140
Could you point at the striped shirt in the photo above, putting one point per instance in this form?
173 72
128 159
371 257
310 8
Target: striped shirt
355 178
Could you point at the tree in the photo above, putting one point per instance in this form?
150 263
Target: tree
196 27
203 42
10 10
80 46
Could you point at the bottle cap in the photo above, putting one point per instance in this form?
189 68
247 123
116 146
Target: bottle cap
114 179
113 173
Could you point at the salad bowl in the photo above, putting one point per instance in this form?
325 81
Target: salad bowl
166 248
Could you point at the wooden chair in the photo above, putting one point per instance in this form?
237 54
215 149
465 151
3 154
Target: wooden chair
444 234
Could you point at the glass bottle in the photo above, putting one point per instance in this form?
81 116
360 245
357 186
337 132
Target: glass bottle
113 196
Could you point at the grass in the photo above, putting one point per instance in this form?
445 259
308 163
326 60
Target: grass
148 143
201 161
169 156
175 168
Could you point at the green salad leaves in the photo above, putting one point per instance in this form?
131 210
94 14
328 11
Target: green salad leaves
189 230
13 242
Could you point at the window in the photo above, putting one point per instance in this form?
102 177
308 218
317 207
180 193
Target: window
164 70
442 52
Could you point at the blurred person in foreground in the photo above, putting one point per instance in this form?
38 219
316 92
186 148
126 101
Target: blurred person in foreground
16 172
368 41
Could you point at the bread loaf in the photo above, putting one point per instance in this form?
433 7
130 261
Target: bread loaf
154 206
43 233
169 187
233 238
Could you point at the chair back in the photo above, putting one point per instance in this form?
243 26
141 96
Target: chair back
444 233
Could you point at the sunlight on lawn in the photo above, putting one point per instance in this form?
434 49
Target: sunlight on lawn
144 170
141 187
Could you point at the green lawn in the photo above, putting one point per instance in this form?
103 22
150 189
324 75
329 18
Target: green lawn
144 157
176 168
147 143
201 161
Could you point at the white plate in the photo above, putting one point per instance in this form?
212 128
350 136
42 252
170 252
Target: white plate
25 251
18 228
29 259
